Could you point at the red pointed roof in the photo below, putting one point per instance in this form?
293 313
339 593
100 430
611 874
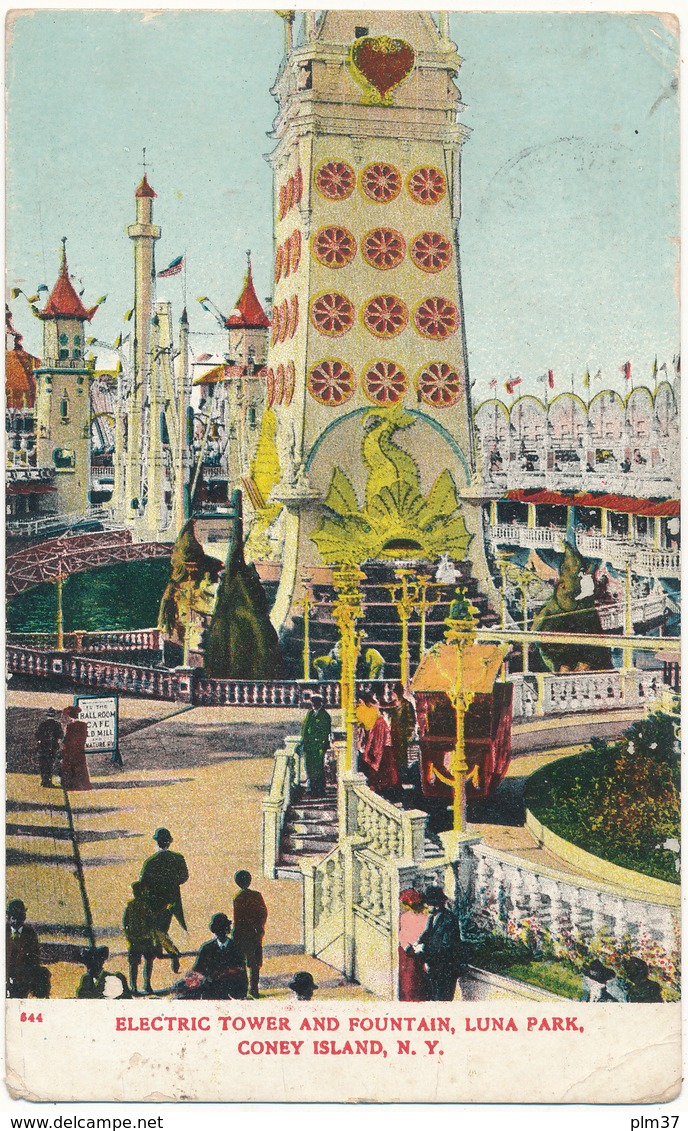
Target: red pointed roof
20 383
248 314
64 302
145 189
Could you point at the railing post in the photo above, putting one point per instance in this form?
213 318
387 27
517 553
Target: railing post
540 701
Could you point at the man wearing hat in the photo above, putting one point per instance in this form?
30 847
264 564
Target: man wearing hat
24 973
162 876
316 734
48 738
303 986
220 965
250 917
442 947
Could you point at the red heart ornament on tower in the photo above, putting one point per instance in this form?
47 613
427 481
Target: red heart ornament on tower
379 63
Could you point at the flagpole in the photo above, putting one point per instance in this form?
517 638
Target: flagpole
184 284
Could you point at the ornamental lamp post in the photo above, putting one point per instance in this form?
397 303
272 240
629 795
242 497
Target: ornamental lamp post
425 603
346 611
405 605
306 604
461 631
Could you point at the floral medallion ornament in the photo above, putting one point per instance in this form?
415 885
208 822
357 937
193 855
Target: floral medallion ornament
383 248
379 64
381 182
427 185
334 246
431 251
335 180
289 382
385 383
436 318
332 313
385 316
331 382
439 385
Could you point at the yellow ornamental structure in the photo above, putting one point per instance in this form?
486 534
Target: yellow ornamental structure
367 364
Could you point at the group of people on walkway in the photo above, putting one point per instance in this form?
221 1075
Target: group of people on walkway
61 749
382 740
633 983
432 951
228 966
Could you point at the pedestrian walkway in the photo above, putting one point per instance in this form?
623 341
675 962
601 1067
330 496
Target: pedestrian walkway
203 774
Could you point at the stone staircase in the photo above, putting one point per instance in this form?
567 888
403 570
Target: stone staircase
310 829
380 621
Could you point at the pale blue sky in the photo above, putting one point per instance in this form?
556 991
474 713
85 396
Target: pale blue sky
570 176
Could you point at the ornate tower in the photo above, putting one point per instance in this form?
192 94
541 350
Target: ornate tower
63 415
367 312
143 233
247 326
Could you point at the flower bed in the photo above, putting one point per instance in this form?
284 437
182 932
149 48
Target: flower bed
618 801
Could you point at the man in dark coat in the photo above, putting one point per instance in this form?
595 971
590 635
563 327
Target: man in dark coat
24 973
315 739
250 917
402 722
162 876
48 738
221 965
442 947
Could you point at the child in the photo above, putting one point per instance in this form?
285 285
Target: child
139 928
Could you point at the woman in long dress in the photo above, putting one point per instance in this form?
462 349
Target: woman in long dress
75 774
413 919
378 761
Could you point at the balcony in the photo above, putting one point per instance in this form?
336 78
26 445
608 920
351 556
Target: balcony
643 558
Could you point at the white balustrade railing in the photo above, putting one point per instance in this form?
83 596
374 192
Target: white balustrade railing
286 774
563 693
45 523
513 890
642 556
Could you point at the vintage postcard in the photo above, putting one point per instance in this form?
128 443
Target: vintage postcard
343 556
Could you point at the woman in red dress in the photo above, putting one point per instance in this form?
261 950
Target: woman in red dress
413 919
379 764
74 765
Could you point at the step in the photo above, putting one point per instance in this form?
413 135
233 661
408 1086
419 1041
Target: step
308 846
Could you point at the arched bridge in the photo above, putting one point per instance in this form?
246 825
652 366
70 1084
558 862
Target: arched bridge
59 557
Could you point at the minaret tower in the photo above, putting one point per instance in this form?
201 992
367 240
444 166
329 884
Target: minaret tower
143 233
367 308
63 412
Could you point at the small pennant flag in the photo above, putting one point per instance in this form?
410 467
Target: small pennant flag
626 370
654 369
175 268
101 300
16 292
90 341
33 298
662 368
550 379
42 288
129 315
117 342
511 384
493 383
586 379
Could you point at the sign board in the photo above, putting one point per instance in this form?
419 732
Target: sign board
100 712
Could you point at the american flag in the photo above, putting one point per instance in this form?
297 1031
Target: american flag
175 268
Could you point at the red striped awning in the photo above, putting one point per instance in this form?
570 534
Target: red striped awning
28 488
625 504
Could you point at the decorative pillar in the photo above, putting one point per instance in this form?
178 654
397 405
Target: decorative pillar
347 609
405 605
532 516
